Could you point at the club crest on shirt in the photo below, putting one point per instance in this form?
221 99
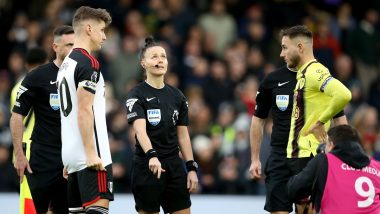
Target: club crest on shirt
110 186
94 76
54 101
282 102
154 116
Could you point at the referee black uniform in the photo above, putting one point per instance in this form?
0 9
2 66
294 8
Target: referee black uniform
38 91
163 109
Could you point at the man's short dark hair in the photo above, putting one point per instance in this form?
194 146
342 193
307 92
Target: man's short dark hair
298 30
85 13
342 134
35 56
63 30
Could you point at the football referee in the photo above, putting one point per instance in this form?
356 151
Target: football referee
159 115
38 91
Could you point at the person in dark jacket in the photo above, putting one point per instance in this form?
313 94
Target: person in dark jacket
343 180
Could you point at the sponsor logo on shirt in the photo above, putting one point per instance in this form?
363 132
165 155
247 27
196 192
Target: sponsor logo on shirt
20 91
154 116
130 103
282 102
149 99
131 115
54 101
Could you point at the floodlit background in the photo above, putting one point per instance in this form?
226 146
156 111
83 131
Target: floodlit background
219 51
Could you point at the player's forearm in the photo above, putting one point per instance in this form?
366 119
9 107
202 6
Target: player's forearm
185 143
340 97
139 126
256 136
17 129
86 128
144 141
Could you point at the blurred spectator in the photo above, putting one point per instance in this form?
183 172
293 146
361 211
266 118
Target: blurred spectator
125 66
16 62
326 47
246 94
18 33
344 71
220 27
206 156
374 95
223 132
342 24
256 63
198 74
365 121
363 46
218 82
121 150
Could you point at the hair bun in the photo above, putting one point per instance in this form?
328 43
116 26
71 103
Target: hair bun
149 41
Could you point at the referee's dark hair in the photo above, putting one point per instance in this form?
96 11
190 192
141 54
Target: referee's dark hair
63 30
149 42
343 134
36 56
298 30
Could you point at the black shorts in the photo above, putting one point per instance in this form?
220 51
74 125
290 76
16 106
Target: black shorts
49 190
170 191
278 171
87 186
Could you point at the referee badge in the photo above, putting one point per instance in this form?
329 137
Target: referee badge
282 102
154 116
54 101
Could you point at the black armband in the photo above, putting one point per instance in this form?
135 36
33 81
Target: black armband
191 166
151 153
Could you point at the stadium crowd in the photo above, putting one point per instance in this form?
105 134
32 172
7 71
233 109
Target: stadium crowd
219 51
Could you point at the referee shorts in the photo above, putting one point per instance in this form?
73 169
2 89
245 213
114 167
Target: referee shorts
278 171
87 186
49 190
170 191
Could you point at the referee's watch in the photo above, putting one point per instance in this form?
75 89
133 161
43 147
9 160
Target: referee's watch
191 165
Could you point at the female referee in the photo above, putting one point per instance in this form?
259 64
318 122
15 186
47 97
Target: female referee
159 115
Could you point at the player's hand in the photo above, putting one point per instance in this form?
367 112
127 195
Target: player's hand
155 167
255 169
20 164
94 162
65 173
318 130
192 181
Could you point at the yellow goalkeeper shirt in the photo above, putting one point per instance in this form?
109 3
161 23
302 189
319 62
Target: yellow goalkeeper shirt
317 96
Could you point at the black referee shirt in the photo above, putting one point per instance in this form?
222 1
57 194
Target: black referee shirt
38 91
163 109
276 94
